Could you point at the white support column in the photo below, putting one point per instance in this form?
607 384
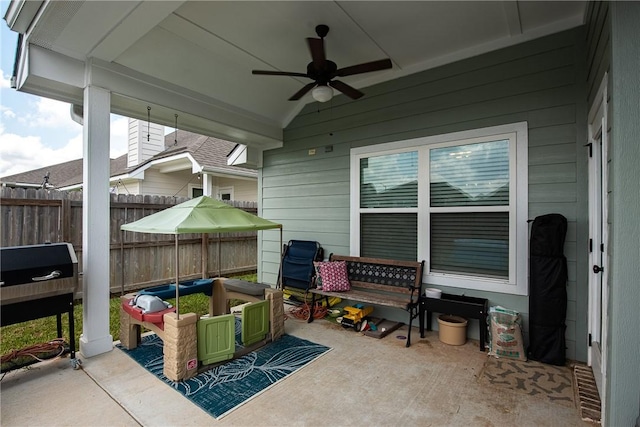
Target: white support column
207 184
95 338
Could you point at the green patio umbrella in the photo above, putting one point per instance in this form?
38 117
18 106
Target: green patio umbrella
200 215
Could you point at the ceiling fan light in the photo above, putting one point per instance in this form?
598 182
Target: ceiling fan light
322 93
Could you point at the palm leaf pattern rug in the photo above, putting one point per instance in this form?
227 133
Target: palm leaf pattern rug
230 385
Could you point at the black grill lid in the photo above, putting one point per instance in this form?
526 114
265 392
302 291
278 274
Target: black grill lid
29 264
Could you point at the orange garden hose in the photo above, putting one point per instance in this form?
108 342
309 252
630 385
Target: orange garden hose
302 312
53 346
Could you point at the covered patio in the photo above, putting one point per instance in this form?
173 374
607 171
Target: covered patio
560 78
361 381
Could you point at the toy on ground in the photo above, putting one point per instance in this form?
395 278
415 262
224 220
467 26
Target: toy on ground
355 315
191 341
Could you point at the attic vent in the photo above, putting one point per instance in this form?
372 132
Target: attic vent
60 13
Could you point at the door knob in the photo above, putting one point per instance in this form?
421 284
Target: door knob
597 269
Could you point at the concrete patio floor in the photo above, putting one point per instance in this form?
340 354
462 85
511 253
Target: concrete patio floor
362 381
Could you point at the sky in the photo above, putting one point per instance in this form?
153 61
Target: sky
36 132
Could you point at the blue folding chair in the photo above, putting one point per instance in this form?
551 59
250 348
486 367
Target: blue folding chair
297 263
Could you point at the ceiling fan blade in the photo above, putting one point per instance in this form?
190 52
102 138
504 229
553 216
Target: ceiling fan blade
278 73
316 46
299 94
367 67
351 92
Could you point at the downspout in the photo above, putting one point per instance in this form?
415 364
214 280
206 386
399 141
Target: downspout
77 113
16 61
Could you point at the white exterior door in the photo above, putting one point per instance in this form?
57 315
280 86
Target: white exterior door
598 232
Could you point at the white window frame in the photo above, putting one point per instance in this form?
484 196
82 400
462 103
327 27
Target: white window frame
192 187
517 283
224 190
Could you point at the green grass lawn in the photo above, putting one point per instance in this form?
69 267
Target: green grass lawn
25 334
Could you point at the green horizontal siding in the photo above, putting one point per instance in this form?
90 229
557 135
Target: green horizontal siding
540 82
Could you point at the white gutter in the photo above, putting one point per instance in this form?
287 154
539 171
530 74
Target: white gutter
21 13
20 185
218 171
77 113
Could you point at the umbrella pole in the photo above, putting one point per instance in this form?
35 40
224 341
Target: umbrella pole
121 263
177 282
205 255
219 258
279 284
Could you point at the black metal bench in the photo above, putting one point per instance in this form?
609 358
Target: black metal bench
382 282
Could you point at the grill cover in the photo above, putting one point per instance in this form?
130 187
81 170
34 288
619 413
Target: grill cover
26 264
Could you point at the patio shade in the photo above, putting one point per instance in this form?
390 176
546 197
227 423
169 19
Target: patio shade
200 215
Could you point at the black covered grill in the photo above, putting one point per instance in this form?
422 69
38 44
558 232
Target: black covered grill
38 281
38 264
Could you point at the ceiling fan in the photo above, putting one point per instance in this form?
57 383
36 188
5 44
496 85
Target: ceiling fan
322 71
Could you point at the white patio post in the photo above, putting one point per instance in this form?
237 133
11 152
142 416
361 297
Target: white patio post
207 183
95 338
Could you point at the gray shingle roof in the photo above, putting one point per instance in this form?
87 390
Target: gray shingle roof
206 150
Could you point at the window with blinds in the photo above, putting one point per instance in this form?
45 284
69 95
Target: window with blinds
388 188
458 201
389 181
475 243
463 240
389 236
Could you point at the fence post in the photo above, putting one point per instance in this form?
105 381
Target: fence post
205 255
65 220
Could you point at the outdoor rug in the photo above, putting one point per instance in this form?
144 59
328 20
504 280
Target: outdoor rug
554 383
228 386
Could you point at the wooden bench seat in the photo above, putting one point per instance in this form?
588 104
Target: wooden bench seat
383 282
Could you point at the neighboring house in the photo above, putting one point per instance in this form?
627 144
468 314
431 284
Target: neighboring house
181 164
540 119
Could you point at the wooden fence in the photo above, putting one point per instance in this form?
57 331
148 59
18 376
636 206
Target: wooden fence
138 260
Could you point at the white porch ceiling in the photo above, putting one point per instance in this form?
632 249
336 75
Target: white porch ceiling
194 58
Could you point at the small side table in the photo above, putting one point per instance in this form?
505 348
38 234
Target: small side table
459 305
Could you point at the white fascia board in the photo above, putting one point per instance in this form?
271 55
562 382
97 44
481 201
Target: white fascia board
46 73
248 157
135 176
71 187
21 13
138 173
50 74
222 172
19 184
112 180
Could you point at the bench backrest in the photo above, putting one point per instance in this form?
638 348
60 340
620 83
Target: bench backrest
386 275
